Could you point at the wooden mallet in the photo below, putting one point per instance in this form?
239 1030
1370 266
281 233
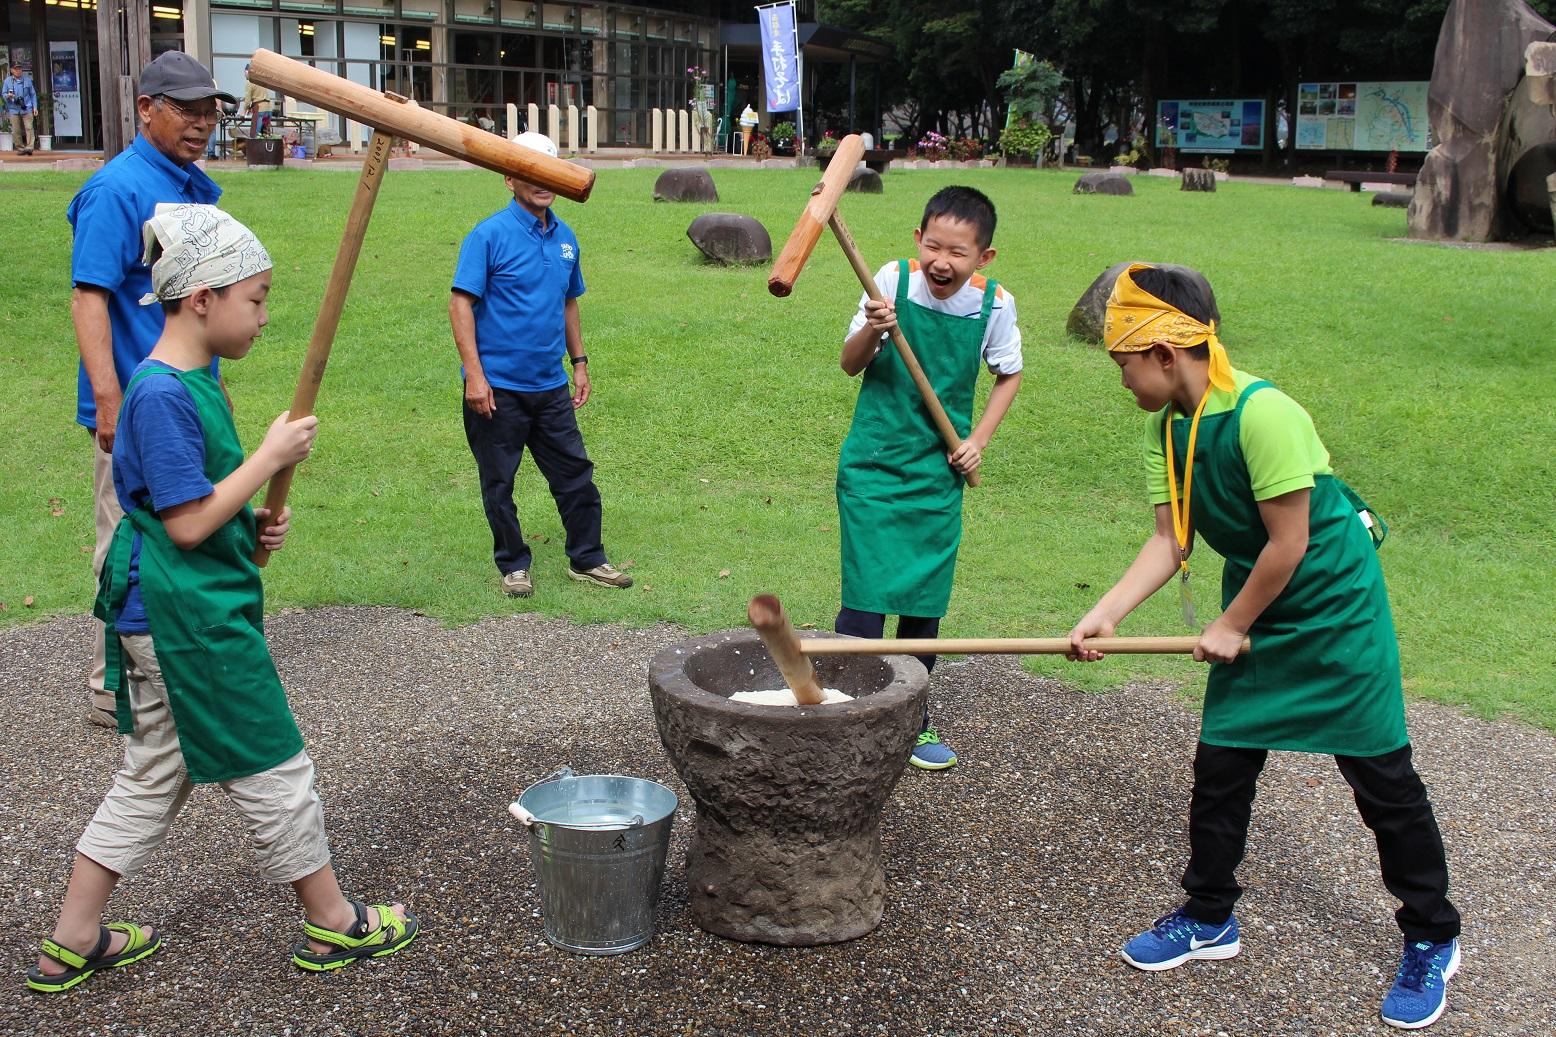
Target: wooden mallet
820 212
390 116
786 648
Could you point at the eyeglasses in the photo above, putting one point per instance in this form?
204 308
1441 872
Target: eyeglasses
191 115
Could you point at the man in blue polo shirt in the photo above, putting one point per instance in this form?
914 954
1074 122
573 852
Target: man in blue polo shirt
514 311
176 101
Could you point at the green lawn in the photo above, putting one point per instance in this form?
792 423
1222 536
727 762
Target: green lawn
719 410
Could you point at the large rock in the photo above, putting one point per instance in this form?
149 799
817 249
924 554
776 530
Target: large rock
1479 60
866 181
1086 316
1103 183
730 238
1393 199
685 185
1196 179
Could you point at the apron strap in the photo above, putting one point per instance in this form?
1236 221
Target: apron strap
904 271
989 292
1253 388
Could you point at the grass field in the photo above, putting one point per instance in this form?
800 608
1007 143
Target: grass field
718 410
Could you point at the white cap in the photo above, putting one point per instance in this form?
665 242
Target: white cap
537 142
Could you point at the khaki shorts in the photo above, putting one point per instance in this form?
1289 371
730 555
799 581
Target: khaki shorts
284 816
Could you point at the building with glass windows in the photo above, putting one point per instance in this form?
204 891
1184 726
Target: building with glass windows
465 58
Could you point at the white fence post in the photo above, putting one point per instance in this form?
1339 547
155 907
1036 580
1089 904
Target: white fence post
532 123
553 120
572 127
657 134
513 120
593 138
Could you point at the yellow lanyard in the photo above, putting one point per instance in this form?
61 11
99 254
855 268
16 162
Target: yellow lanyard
1180 516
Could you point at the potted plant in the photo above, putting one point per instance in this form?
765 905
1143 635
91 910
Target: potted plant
45 124
1024 143
825 148
781 136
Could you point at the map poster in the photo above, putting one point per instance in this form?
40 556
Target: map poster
1212 126
1362 116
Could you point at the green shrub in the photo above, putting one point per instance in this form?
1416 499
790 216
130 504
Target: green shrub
1025 140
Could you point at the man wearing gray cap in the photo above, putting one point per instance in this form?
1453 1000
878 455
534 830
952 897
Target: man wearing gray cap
176 101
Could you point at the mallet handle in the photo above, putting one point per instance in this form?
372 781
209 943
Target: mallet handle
328 320
432 129
783 644
936 411
1000 646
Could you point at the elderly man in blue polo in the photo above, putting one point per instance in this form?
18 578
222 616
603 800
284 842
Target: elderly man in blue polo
514 313
177 105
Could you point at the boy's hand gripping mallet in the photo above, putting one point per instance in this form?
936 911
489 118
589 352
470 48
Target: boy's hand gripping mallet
821 211
785 646
390 116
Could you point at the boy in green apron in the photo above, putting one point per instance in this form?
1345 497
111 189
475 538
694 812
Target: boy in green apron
1235 460
198 697
899 492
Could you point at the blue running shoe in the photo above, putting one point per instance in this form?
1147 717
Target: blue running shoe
1174 939
931 753
1420 991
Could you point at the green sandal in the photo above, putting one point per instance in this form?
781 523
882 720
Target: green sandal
390 936
79 967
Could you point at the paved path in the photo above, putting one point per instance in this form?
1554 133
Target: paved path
1012 878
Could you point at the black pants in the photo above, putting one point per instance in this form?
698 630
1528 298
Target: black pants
873 624
545 423
1392 802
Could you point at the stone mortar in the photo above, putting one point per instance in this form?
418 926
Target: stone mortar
787 846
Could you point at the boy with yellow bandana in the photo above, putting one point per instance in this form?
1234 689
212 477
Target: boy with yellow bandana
1238 462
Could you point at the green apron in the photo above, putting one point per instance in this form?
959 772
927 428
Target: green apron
899 502
205 607
1323 673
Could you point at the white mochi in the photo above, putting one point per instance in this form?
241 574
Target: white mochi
785 697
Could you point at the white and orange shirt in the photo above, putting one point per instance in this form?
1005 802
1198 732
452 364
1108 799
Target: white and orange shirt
1001 339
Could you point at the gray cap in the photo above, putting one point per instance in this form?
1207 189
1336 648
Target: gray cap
177 75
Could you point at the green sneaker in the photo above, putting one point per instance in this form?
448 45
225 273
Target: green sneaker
931 753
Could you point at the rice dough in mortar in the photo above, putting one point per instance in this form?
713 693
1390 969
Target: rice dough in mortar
785 697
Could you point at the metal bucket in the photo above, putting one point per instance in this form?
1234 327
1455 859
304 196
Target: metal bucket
598 843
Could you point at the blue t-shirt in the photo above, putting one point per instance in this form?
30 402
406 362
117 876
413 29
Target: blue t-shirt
521 273
107 215
158 463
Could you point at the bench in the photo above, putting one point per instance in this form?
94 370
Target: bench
1356 177
879 159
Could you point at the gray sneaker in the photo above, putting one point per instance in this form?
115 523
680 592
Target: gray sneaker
603 575
99 717
517 584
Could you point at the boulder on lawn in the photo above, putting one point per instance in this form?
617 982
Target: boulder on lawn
1086 317
693 184
1104 183
1195 179
730 238
1393 199
866 181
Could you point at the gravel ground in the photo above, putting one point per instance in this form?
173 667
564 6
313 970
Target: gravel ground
1012 878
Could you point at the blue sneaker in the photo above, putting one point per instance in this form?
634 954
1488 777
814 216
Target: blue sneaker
1174 939
931 753
1420 991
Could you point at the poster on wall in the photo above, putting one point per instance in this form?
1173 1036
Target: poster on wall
1362 116
65 85
1213 126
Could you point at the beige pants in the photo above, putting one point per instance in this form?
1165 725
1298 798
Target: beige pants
21 133
285 818
106 510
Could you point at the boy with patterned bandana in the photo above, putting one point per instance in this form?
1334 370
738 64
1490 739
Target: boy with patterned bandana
198 698
1303 583
899 492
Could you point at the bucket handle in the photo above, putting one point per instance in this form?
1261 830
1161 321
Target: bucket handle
529 820
516 808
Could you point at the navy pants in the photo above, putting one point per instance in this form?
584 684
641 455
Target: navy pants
1392 802
855 623
546 424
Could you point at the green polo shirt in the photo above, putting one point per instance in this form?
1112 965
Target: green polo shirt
1279 443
